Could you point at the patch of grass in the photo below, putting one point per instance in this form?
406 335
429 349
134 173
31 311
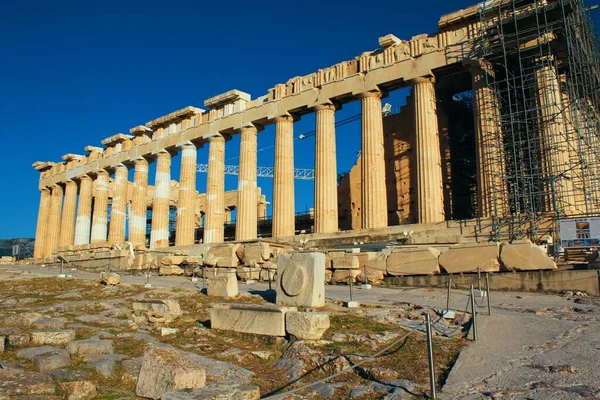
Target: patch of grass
130 347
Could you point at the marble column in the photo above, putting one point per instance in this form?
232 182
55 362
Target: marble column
42 224
214 217
326 204
83 224
54 219
159 235
284 214
430 197
247 206
137 220
492 194
67 225
100 216
553 140
374 194
118 212
186 203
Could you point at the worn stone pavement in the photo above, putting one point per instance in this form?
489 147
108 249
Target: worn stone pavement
534 346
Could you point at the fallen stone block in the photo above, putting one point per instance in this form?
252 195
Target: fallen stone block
51 361
48 323
19 339
253 254
225 285
523 255
301 279
78 390
32 352
90 346
260 319
168 270
23 319
3 342
373 276
419 261
265 275
345 262
110 278
52 337
343 275
130 369
306 325
376 262
165 369
172 260
328 275
222 256
467 257
104 364
157 310
220 391
245 273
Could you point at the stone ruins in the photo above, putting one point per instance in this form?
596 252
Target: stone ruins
467 160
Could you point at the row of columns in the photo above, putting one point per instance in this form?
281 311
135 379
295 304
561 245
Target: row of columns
83 229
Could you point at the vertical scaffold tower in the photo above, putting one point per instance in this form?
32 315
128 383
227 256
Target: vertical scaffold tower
542 67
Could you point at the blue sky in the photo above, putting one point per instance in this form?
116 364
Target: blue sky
73 73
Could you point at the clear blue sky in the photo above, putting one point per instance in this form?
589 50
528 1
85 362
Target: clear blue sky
73 73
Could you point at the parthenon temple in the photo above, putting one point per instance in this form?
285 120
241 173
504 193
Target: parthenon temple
499 134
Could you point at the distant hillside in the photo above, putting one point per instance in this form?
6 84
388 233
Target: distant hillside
26 250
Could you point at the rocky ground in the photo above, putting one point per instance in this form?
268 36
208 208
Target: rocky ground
79 339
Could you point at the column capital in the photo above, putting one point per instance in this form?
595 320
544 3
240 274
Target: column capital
328 106
250 128
162 153
83 177
284 118
478 66
372 93
217 137
119 166
421 79
186 144
102 172
46 189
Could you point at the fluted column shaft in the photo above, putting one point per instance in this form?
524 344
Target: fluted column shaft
374 195
67 226
83 224
284 213
42 224
554 144
54 219
430 197
159 236
490 166
247 206
185 225
116 232
100 216
326 207
137 220
215 191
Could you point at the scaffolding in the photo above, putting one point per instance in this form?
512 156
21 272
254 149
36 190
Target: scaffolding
541 124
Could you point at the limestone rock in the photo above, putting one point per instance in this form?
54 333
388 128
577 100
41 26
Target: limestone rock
165 369
419 261
376 262
78 390
467 257
265 275
217 391
225 285
23 384
90 346
23 319
301 279
345 262
261 319
253 253
50 361
110 278
245 273
522 255
3 341
32 352
167 270
306 325
343 275
52 337
19 339
131 369
223 255
328 275
104 364
48 323
159 310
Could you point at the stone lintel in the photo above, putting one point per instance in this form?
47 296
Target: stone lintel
226 98
459 16
389 40
71 157
174 116
94 149
140 130
42 165
114 139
